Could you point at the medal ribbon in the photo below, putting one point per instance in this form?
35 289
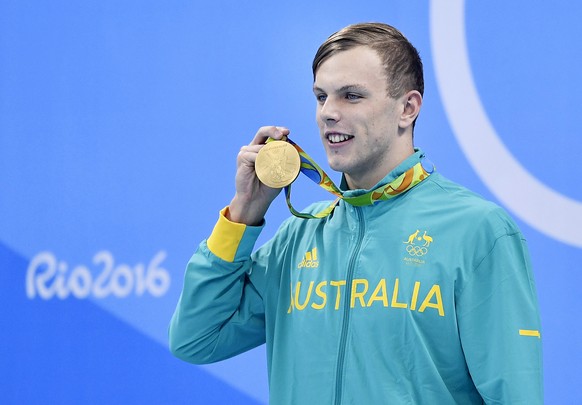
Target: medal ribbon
399 185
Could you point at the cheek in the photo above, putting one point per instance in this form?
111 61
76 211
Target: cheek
381 120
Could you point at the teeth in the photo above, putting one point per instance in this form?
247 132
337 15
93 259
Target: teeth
335 138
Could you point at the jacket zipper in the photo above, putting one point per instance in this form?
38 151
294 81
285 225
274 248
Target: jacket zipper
346 315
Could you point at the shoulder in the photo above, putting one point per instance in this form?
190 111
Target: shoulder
467 207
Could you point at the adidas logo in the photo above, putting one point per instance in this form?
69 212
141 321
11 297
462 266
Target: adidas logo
309 260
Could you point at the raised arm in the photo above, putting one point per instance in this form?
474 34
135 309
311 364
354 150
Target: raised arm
252 198
220 312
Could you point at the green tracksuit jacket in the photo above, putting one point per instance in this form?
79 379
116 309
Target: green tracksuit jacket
427 298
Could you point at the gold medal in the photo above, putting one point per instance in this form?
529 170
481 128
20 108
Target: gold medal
277 164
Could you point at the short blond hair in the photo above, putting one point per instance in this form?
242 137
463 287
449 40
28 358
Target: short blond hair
400 58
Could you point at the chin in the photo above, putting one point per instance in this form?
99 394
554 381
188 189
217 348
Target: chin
335 165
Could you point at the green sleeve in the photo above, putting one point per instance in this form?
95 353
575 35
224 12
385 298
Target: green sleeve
499 325
220 312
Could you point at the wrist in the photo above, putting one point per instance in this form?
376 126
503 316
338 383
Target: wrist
243 212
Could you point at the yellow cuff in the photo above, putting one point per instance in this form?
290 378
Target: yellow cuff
225 238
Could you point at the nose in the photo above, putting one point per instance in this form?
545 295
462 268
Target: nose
329 110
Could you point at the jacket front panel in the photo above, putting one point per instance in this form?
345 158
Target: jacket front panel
372 290
425 298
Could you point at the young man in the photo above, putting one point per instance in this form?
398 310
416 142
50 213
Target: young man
423 297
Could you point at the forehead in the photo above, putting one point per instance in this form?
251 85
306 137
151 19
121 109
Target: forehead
360 65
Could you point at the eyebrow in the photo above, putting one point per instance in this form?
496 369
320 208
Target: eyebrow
344 89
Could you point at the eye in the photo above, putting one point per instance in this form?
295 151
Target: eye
353 96
321 97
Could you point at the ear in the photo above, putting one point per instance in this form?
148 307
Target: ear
412 101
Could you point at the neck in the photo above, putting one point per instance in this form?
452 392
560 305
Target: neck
366 181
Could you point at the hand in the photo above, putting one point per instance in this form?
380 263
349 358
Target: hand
253 198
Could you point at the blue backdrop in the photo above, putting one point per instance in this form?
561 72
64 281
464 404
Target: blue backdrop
119 127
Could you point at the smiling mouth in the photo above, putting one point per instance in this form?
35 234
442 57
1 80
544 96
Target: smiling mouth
338 138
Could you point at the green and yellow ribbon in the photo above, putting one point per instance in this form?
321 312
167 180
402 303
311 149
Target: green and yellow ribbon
399 185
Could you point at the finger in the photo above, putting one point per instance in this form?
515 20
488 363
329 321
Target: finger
248 154
249 150
264 133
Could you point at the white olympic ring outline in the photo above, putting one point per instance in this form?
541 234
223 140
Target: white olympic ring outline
553 214
416 250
